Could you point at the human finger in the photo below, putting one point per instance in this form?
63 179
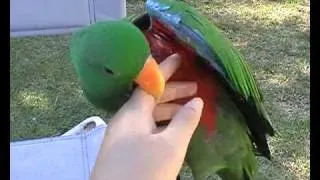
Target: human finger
165 111
177 90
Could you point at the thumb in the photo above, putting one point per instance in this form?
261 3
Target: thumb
185 121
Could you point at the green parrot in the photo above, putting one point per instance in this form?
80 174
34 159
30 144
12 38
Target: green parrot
113 57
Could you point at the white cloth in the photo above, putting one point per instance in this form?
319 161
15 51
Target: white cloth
70 157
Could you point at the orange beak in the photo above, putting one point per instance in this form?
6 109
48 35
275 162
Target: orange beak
150 78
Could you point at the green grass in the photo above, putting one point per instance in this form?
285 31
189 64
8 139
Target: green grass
274 36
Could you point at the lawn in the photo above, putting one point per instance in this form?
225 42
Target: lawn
274 36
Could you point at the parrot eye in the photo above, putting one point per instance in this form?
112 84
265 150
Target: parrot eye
108 71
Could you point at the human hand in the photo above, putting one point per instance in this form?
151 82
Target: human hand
135 148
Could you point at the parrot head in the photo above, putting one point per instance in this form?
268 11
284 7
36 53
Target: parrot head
112 57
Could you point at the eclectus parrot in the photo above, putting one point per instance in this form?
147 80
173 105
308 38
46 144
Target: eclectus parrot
113 57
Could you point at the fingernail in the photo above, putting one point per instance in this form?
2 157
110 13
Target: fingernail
195 103
193 88
177 57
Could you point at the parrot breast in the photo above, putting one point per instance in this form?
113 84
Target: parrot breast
163 43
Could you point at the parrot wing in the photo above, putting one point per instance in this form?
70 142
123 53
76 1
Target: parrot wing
210 43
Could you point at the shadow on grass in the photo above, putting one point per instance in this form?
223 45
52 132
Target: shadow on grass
46 99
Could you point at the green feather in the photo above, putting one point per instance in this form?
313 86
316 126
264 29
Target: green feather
228 152
242 118
229 63
228 57
105 73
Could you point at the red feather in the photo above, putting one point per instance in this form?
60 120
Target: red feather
163 43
